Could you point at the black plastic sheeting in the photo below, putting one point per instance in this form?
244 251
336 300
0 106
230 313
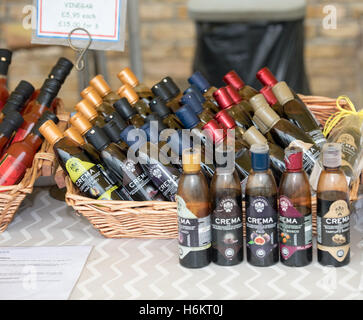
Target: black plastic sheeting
246 48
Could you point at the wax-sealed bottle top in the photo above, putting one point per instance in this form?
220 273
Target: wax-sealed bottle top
97 138
332 155
61 70
127 91
5 60
191 160
92 96
214 131
161 90
47 115
223 98
18 97
259 157
99 83
233 79
11 122
50 132
171 86
127 76
124 108
187 116
81 123
293 158
48 91
269 95
192 100
25 89
225 119
158 105
73 134
197 92
253 136
266 77
233 93
199 81
113 131
87 109
282 92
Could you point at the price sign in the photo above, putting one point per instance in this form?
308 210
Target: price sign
103 19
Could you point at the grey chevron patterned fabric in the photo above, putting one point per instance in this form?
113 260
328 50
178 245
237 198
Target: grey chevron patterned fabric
149 269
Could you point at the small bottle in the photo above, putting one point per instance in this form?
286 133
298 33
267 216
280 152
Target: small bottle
227 227
333 215
103 108
272 101
203 85
83 172
261 210
233 79
90 113
5 60
128 113
169 119
10 124
207 104
193 208
103 89
160 90
192 100
295 220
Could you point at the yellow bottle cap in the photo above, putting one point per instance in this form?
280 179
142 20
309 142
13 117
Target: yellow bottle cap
92 96
126 91
101 86
87 109
252 136
80 123
191 160
50 132
127 76
73 134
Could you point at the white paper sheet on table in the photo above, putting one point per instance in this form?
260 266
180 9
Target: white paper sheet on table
40 272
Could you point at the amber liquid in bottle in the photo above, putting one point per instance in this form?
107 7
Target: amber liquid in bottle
5 60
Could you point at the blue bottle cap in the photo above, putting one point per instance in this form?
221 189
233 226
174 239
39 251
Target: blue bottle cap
199 81
129 139
260 158
187 116
192 101
196 91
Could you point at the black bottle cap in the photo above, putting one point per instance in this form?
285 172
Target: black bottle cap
124 108
97 138
18 97
115 117
61 70
5 60
158 105
51 86
47 115
113 131
24 88
160 90
10 108
171 86
155 117
14 119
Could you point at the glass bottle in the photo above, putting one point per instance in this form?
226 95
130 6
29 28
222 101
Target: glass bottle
103 108
333 215
169 119
226 198
226 121
193 208
244 105
245 91
103 89
10 124
261 210
160 90
203 85
207 104
128 113
5 60
90 113
193 102
295 218
272 101
113 129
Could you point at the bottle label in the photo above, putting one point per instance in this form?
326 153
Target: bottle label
318 137
349 149
89 179
295 229
261 223
194 233
11 170
333 227
20 135
227 228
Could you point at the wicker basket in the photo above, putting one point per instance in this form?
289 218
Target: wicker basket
12 196
156 219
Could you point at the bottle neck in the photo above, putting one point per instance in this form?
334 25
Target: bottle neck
329 169
33 140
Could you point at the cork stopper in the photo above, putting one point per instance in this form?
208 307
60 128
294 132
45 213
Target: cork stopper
126 91
73 134
191 160
87 109
127 76
253 136
92 96
80 123
50 132
282 92
258 101
332 155
101 86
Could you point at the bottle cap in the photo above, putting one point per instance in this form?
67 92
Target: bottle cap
199 81
126 91
50 132
127 76
15 102
260 124
294 158
260 159
113 131
73 134
51 86
223 98
87 109
171 86
100 84
332 155
155 117
47 115
233 93
160 90
15 119
125 135
214 131
80 123
117 119
266 77
158 105
191 160
258 102
265 118
269 95
5 60
187 117
225 119
282 92
253 136
196 91
96 137
233 79
92 96
179 141
61 70
192 101
25 89
124 109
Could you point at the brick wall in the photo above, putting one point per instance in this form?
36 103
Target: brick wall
334 58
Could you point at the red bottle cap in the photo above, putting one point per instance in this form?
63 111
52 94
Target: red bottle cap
233 93
214 131
293 158
234 80
269 95
266 77
223 99
225 119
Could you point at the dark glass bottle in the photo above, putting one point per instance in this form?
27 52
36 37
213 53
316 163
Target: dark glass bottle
203 85
128 113
10 124
160 90
192 101
169 119
245 91
272 101
261 211
5 60
226 217
104 90
193 208
295 218
333 215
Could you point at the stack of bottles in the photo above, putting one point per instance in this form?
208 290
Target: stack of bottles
23 111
